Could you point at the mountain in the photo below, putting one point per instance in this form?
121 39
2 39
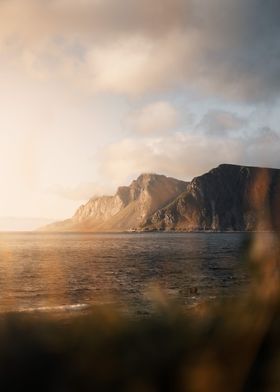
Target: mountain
128 209
229 197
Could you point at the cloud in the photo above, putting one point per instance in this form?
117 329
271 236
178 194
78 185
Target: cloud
263 148
102 20
265 136
183 155
188 154
156 117
229 48
221 122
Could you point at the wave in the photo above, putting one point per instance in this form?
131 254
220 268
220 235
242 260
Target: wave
58 308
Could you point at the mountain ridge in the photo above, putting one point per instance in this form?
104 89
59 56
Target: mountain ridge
226 198
128 209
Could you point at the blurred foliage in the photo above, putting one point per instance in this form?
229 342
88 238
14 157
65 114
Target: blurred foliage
230 346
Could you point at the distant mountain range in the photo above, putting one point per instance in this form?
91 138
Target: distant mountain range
227 198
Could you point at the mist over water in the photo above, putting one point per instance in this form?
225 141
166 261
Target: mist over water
70 271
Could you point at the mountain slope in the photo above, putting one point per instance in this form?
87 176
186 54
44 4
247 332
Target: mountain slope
128 209
229 197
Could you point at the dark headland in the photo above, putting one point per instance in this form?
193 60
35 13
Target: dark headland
227 198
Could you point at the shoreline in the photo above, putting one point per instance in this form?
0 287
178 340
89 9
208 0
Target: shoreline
141 232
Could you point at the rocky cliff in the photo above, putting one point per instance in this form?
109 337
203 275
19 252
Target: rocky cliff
229 197
128 209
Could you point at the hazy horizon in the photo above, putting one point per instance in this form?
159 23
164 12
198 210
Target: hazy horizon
93 93
13 223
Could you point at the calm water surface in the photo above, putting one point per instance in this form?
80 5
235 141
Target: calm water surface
72 271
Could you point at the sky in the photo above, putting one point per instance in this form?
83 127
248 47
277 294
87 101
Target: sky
95 92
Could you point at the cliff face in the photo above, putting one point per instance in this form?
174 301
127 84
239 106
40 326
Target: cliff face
128 209
229 197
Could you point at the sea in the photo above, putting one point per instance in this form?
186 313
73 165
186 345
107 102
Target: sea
135 272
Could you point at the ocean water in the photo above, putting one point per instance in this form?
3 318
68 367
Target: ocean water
54 272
